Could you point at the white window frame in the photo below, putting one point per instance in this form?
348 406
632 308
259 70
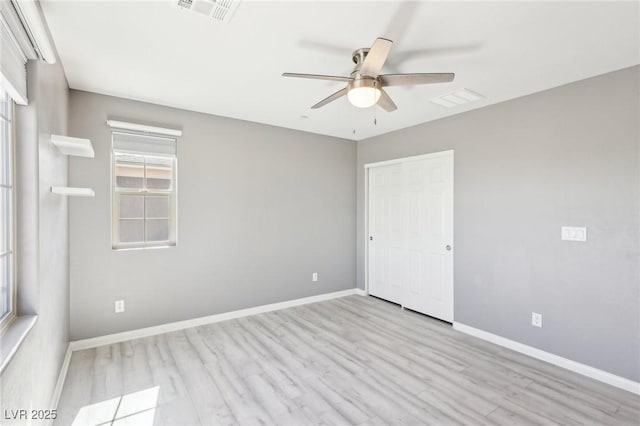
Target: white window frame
9 316
116 193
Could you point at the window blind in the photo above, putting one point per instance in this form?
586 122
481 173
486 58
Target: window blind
129 143
23 36
13 65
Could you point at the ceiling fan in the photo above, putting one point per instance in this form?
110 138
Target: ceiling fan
365 86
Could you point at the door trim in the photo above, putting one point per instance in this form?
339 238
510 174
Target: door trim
412 158
368 166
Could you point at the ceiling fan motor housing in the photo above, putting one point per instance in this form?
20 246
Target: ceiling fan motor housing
358 57
364 81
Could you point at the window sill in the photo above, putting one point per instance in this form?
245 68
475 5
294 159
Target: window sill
151 247
13 336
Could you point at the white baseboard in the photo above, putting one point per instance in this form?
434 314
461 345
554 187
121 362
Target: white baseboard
181 325
361 292
57 391
576 367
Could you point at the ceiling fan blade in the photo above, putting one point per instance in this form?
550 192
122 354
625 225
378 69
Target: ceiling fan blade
376 57
385 102
318 76
407 55
325 47
340 93
418 78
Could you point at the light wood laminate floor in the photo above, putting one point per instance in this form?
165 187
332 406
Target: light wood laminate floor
353 360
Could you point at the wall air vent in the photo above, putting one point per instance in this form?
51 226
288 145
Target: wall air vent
220 10
459 97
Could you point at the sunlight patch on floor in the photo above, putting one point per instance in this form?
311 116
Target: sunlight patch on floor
137 408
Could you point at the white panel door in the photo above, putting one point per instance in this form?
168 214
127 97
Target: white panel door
385 274
429 236
415 233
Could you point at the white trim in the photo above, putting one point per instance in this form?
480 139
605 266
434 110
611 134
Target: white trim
181 325
12 337
361 292
57 391
576 367
366 230
14 92
143 128
413 158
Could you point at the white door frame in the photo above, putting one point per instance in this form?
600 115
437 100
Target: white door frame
366 207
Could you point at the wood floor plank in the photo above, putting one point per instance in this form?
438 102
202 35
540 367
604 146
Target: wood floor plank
349 361
502 416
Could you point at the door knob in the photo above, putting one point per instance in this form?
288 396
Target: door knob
448 247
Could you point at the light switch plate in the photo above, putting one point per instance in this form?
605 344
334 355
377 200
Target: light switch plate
314 277
119 306
573 233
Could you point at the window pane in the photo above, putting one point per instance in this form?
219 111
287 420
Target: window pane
157 207
157 230
5 104
6 206
132 231
129 171
132 206
5 153
5 284
159 171
6 210
143 188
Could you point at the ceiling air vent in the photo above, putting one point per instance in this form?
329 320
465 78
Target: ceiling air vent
459 97
220 10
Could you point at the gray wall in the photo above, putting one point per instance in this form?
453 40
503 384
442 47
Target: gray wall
523 168
260 209
43 256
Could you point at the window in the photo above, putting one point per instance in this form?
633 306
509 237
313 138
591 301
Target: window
7 261
144 191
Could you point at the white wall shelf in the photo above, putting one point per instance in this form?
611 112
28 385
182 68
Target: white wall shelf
73 146
73 192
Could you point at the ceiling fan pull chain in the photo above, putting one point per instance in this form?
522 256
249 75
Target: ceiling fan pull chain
375 115
353 119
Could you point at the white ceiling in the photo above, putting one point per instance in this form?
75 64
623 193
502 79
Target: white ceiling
155 52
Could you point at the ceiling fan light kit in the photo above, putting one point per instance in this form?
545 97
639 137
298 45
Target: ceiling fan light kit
365 86
364 92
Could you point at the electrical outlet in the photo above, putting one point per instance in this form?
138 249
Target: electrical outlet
314 277
536 319
119 306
